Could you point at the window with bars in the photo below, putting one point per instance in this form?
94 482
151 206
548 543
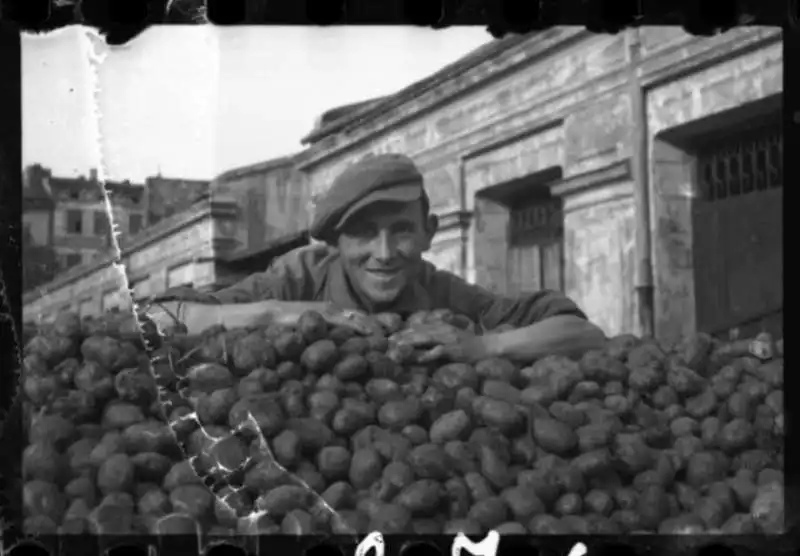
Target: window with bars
742 166
541 221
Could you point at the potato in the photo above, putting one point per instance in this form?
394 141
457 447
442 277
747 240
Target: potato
497 369
395 415
334 462
489 512
393 447
421 497
594 436
567 414
736 436
415 434
147 436
323 405
81 488
554 436
253 351
182 473
153 502
263 411
523 502
652 506
366 467
454 425
352 366
502 391
545 524
116 474
150 466
478 487
320 357
392 519
468 527
42 461
312 326
703 468
430 461
537 395
41 498
501 416
457 497
382 390
454 376
382 366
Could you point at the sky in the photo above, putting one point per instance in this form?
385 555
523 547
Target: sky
195 101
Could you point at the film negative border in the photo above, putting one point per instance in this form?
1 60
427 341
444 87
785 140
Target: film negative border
380 545
121 21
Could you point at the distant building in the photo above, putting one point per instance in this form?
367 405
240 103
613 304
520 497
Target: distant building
70 215
244 218
168 196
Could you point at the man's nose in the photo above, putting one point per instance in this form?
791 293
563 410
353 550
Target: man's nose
384 248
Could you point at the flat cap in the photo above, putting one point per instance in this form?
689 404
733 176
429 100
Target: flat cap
386 177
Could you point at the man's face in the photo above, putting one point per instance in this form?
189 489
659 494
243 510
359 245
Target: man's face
382 247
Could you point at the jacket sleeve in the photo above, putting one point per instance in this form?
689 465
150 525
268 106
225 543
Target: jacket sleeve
491 310
291 277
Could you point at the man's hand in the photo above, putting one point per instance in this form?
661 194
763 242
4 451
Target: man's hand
443 342
360 323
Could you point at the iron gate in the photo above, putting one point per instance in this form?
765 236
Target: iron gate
738 233
536 246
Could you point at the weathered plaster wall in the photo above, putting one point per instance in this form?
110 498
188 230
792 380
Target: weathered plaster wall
562 100
750 69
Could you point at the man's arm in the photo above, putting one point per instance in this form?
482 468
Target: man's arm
558 335
280 294
546 322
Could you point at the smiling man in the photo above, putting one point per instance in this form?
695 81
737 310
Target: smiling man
375 223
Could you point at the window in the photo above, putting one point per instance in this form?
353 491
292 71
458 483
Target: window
100 223
135 224
74 222
742 166
73 259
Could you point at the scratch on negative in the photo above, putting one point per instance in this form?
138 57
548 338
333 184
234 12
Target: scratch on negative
96 51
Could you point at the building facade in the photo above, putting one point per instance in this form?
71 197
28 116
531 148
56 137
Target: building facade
582 162
640 173
217 240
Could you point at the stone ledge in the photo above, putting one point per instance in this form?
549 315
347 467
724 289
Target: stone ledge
203 209
581 183
428 94
672 65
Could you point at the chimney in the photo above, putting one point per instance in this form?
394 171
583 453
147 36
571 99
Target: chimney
93 175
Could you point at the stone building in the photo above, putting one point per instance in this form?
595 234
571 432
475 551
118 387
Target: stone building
218 239
70 215
641 173
638 172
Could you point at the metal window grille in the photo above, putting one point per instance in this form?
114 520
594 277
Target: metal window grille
537 222
742 166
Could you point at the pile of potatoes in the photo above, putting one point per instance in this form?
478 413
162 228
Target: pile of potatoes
313 429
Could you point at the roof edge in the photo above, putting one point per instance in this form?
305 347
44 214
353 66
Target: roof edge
448 72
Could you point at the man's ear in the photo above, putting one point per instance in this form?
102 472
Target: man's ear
431 227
